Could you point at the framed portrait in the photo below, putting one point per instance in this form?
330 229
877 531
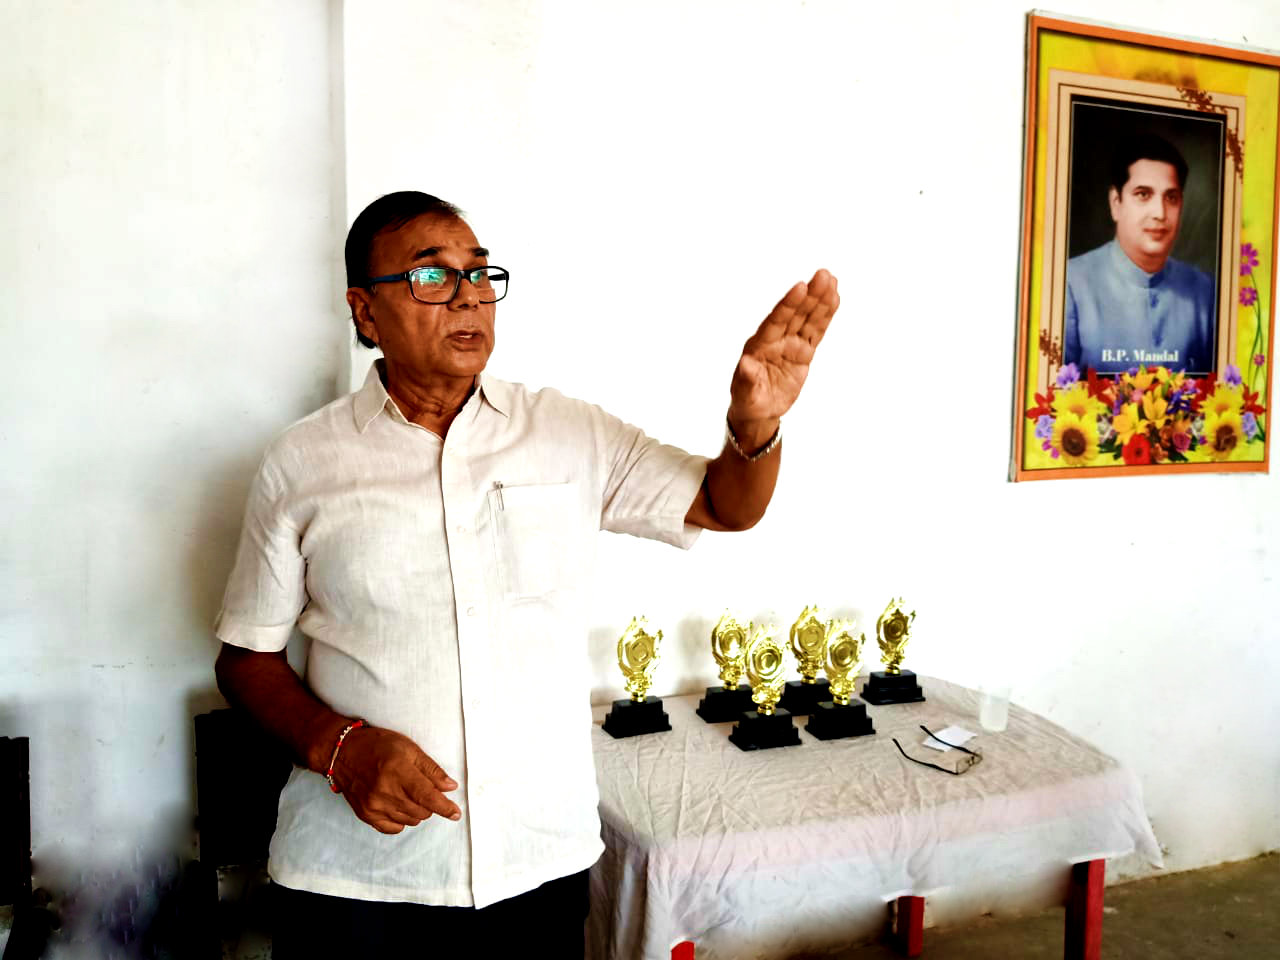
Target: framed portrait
1149 232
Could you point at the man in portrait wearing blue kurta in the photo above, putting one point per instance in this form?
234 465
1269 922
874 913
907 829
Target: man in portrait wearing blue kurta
1128 301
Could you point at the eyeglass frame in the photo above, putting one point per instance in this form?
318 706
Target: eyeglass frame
969 763
457 281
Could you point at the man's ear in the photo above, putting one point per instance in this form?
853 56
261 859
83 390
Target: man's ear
1113 198
358 301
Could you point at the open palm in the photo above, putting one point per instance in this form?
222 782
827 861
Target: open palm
775 360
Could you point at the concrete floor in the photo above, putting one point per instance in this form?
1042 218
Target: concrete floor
1229 911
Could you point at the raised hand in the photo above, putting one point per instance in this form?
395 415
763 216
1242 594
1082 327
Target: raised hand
390 783
775 360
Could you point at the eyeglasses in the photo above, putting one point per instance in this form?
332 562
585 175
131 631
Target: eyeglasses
968 762
436 284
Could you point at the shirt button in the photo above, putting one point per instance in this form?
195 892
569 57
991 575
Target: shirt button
460 528
471 611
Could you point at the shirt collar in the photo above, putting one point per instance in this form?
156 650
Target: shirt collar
496 393
1131 272
372 398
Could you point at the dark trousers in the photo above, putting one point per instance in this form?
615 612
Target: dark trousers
546 922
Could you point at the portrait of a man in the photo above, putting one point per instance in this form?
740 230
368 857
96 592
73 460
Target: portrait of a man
1128 300
1148 192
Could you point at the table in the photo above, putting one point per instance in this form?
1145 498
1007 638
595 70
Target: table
783 851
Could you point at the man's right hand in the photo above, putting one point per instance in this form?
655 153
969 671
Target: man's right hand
389 782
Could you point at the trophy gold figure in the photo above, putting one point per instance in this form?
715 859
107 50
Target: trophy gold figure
731 699
893 684
637 658
809 646
767 725
843 715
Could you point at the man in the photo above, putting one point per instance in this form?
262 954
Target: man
1128 301
432 535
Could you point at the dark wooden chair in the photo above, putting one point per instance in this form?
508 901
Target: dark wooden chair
239 774
33 921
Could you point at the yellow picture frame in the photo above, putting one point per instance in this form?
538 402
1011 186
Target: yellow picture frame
1190 405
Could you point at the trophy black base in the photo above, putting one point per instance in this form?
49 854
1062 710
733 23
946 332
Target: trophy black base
758 731
800 699
721 705
834 721
630 718
882 687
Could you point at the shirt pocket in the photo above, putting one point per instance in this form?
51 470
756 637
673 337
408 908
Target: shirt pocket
534 532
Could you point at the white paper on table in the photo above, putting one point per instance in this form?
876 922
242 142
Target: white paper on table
952 735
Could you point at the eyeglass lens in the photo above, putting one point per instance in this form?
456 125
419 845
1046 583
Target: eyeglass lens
439 284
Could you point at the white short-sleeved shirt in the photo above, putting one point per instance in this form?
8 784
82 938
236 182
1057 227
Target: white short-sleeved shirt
442 586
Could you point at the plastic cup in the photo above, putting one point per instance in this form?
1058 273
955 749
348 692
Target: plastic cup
993 710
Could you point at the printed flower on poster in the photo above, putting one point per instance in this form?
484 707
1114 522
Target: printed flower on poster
1147 415
1154 408
1076 400
1248 259
1126 423
1139 378
1100 388
1068 375
1250 296
1137 452
1181 437
1224 399
1044 405
1249 403
1223 432
1076 438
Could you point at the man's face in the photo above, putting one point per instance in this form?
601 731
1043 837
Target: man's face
1147 212
427 340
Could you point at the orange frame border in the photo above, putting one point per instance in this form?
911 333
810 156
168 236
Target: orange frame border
1036 23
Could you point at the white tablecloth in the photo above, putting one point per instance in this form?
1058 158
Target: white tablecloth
763 853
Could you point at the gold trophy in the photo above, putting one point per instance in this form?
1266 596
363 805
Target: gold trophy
809 645
893 684
767 725
732 699
637 658
843 715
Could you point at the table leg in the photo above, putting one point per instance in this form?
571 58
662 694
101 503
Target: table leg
1084 911
908 933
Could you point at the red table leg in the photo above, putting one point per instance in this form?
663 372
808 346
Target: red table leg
908 933
682 950
1084 911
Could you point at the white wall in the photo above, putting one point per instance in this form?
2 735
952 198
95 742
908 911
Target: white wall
165 257
762 140
175 194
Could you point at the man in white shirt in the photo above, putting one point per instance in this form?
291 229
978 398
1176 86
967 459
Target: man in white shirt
432 534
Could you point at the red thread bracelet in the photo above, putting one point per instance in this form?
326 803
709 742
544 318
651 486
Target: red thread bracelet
328 774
